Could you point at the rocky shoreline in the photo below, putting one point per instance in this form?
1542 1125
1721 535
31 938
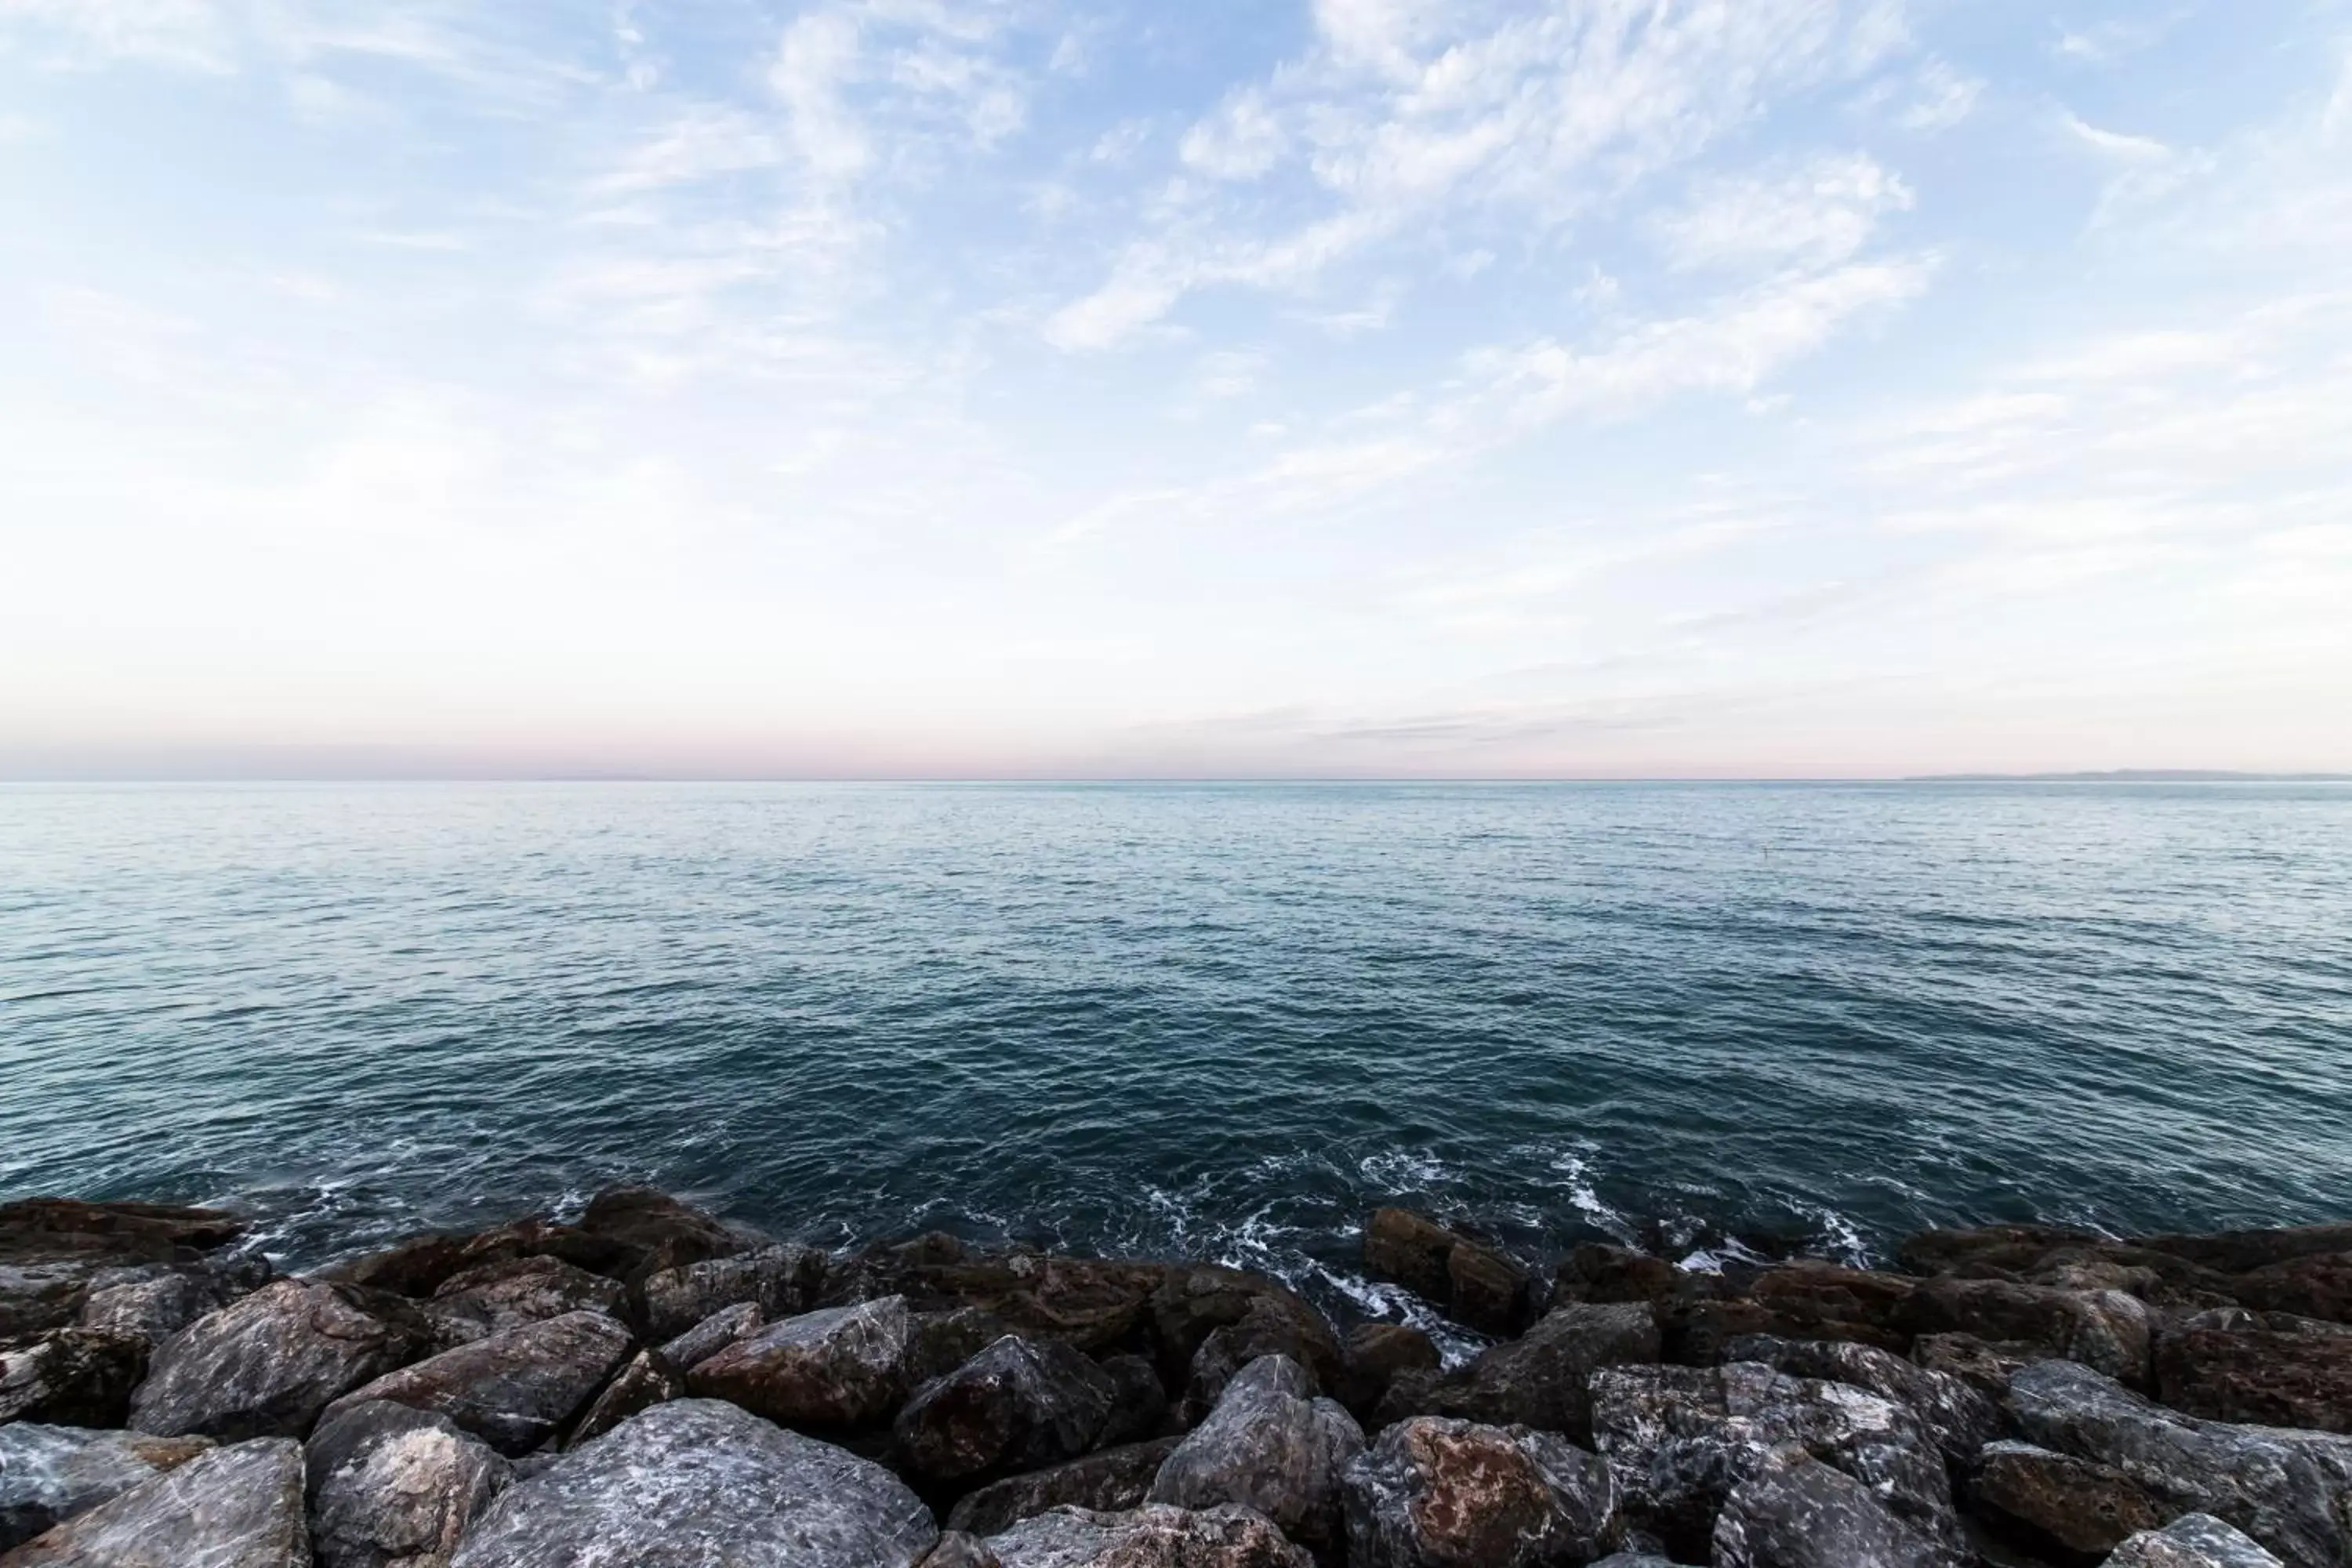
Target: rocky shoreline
649 1384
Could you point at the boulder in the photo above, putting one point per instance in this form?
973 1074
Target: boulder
2291 1491
2074 1260
1410 1249
2106 1331
838 1369
153 1301
1794 1511
239 1507
1193 1300
1476 1283
2244 1251
72 1377
2318 1286
396 1488
648 1381
781 1281
1373 1356
514 1389
1540 1380
1138 1404
50 1249
1961 1418
2192 1541
2062 1506
1272 1445
1985 1365
413 1266
939 1343
1153 1536
490 1297
1634 1560
1601 1273
2271 1369
1434 1493
267 1365
957 1550
49 1474
1017 1406
696 1482
1108 1480
1095 1304
1801 1301
1270 1325
658 1232
713 1335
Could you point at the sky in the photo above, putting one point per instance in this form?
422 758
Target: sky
1011 388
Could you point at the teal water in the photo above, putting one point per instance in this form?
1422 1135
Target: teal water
1220 1020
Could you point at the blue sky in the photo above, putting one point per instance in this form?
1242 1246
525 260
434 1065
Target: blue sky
1368 387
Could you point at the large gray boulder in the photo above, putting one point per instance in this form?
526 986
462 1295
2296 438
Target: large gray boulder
1540 1380
781 1281
1960 1414
396 1488
2192 1541
49 1474
687 1350
267 1365
1796 1512
1435 1493
491 1298
835 1370
1273 1446
153 1301
239 1507
697 1483
1017 1406
1153 1536
1108 1480
2291 1491
514 1389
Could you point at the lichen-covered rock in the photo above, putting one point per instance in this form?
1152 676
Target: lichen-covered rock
514 1389
267 1365
697 1482
1272 1445
49 1474
490 1297
1108 1480
1153 1536
239 1507
2271 1369
2192 1541
1017 1406
2106 1331
1434 1493
781 1281
1794 1511
2060 1505
2291 1491
834 1370
646 1382
396 1488
72 1377
1540 1380
1962 1419
714 1333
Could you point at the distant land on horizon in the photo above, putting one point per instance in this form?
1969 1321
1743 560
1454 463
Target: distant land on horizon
2135 775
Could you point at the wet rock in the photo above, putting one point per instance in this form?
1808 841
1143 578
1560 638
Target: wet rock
267 1365
1962 1419
834 1370
516 1388
1138 1404
1373 1356
72 1377
1801 1301
239 1507
1796 1512
1095 1304
2314 1286
1476 1283
713 1335
1434 1493
1017 1406
1601 1273
490 1297
2106 1331
2072 1260
51 1247
1540 1380
658 1231
413 1266
2244 1251
939 1343
1410 1249
1985 1365
781 1281
2291 1491
2062 1507
1270 1325
694 1482
648 1381
155 1300
2271 1369
396 1488
2192 1541
1108 1480
1192 1301
1153 1536
957 1549
49 1474
1272 1445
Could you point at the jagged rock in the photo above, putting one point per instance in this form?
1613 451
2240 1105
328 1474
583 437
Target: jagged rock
2192 1541
1679 1439
1373 1356
1801 1301
1270 1325
2290 1490
1985 1365
1601 1273
490 1297
72 1377
781 1281
1138 1404
2271 1369
1272 1445
1193 1300
2062 1506
1476 1284
1108 1480
957 1549
696 1482
516 1388
267 1365
152 1301
2072 1260
836 1369
396 1488
1794 1511
413 1266
1410 1249
51 1247
2244 1251
1095 1304
659 1231
711 1335
939 1343
1489 1289
1434 1493
1962 1419
648 1380
1153 1536
2312 1286
1540 1380
2106 1331
49 1474
1017 1406
230 1508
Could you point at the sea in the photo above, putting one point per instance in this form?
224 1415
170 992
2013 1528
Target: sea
1718 1021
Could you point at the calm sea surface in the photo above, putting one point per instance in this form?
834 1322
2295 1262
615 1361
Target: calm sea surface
1215 1020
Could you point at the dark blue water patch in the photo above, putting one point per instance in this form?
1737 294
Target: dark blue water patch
1220 1020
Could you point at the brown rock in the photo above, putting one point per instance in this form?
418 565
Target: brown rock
1272 1324
514 1389
267 1365
1603 1273
490 1297
1410 1249
1539 1380
2315 1286
1373 1356
2266 1369
72 1377
648 1380
1435 1493
413 1266
838 1368
657 1230
1017 1406
50 1249
1110 1480
2074 1509
2244 1251
1193 1300
1802 1301
1476 1284
1986 1365
1153 1536
2106 1331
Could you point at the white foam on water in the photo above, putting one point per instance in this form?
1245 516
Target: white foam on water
1405 1170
